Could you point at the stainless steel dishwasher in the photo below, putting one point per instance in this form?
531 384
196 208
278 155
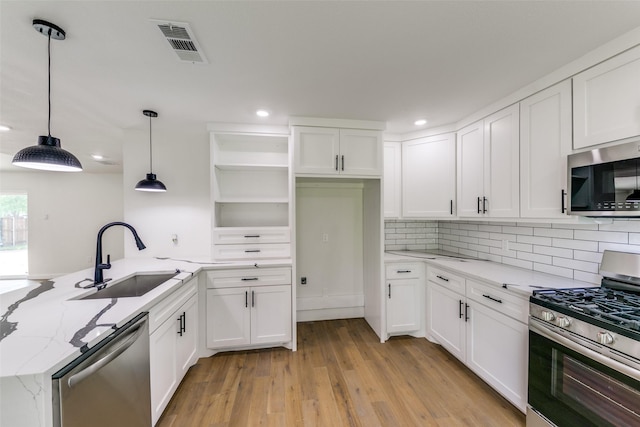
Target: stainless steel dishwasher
109 384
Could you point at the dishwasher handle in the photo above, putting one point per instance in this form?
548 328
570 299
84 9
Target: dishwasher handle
128 339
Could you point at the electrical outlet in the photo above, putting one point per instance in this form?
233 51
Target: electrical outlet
505 245
303 280
325 237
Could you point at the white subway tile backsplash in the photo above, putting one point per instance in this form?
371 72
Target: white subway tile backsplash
588 256
551 232
618 247
534 240
549 250
558 271
517 262
583 245
542 259
589 267
517 230
572 250
602 236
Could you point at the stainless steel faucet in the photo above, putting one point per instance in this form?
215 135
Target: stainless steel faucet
98 278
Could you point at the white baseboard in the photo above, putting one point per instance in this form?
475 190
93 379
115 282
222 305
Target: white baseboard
330 314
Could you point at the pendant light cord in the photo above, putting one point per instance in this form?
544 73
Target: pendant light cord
150 149
49 81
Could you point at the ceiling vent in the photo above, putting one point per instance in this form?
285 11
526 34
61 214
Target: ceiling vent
181 41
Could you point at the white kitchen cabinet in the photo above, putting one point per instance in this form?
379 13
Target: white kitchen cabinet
488 166
404 296
446 311
248 307
545 142
322 151
251 192
429 177
392 179
497 351
484 327
606 101
172 344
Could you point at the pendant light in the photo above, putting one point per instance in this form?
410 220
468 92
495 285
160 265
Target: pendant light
150 183
48 155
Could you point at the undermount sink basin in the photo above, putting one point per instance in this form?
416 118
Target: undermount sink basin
134 286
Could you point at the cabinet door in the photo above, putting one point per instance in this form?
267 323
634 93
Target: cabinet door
316 150
446 319
392 187
270 314
162 366
403 305
502 163
429 177
470 170
606 101
497 350
545 141
360 152
228 317
186 354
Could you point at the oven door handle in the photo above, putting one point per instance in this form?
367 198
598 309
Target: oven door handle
572 345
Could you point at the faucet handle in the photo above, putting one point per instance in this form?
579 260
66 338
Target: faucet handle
107 265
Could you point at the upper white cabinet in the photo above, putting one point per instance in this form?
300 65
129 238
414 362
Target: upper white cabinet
330 151
429 177
488 166
545 141
251 191
392 176
606 101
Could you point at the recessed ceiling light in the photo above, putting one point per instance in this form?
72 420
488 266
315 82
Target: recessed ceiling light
262 113
97 157
420 122
4 128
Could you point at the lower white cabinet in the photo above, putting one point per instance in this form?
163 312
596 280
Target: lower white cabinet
172 345
404 294
241 316
484 328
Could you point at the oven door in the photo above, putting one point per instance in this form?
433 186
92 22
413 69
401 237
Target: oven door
571 385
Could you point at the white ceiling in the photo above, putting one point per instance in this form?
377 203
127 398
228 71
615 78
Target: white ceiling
391 61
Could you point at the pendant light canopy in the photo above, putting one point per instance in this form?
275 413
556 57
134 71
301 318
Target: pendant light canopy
150 183
48 154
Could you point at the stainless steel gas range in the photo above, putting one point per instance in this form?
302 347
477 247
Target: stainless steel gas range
584 350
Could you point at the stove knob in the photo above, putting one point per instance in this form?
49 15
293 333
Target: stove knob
605 338
563 322
548 316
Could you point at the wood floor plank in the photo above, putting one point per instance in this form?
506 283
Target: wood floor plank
341 375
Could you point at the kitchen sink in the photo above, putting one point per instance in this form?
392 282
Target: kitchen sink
133 286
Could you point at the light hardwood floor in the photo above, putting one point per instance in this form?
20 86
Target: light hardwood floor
341 375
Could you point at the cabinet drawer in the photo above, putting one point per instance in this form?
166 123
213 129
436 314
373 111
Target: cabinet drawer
250 235
413 270
248 277
252 251
446 279
165 308
498 299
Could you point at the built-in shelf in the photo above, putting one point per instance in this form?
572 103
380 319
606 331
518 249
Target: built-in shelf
250 184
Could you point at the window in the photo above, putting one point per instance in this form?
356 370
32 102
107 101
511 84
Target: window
13 236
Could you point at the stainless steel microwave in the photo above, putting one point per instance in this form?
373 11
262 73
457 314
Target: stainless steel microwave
605 181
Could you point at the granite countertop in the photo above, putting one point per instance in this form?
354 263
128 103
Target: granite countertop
44 326
518 280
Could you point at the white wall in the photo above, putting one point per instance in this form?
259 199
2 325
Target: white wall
333 268
66 210
181 162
